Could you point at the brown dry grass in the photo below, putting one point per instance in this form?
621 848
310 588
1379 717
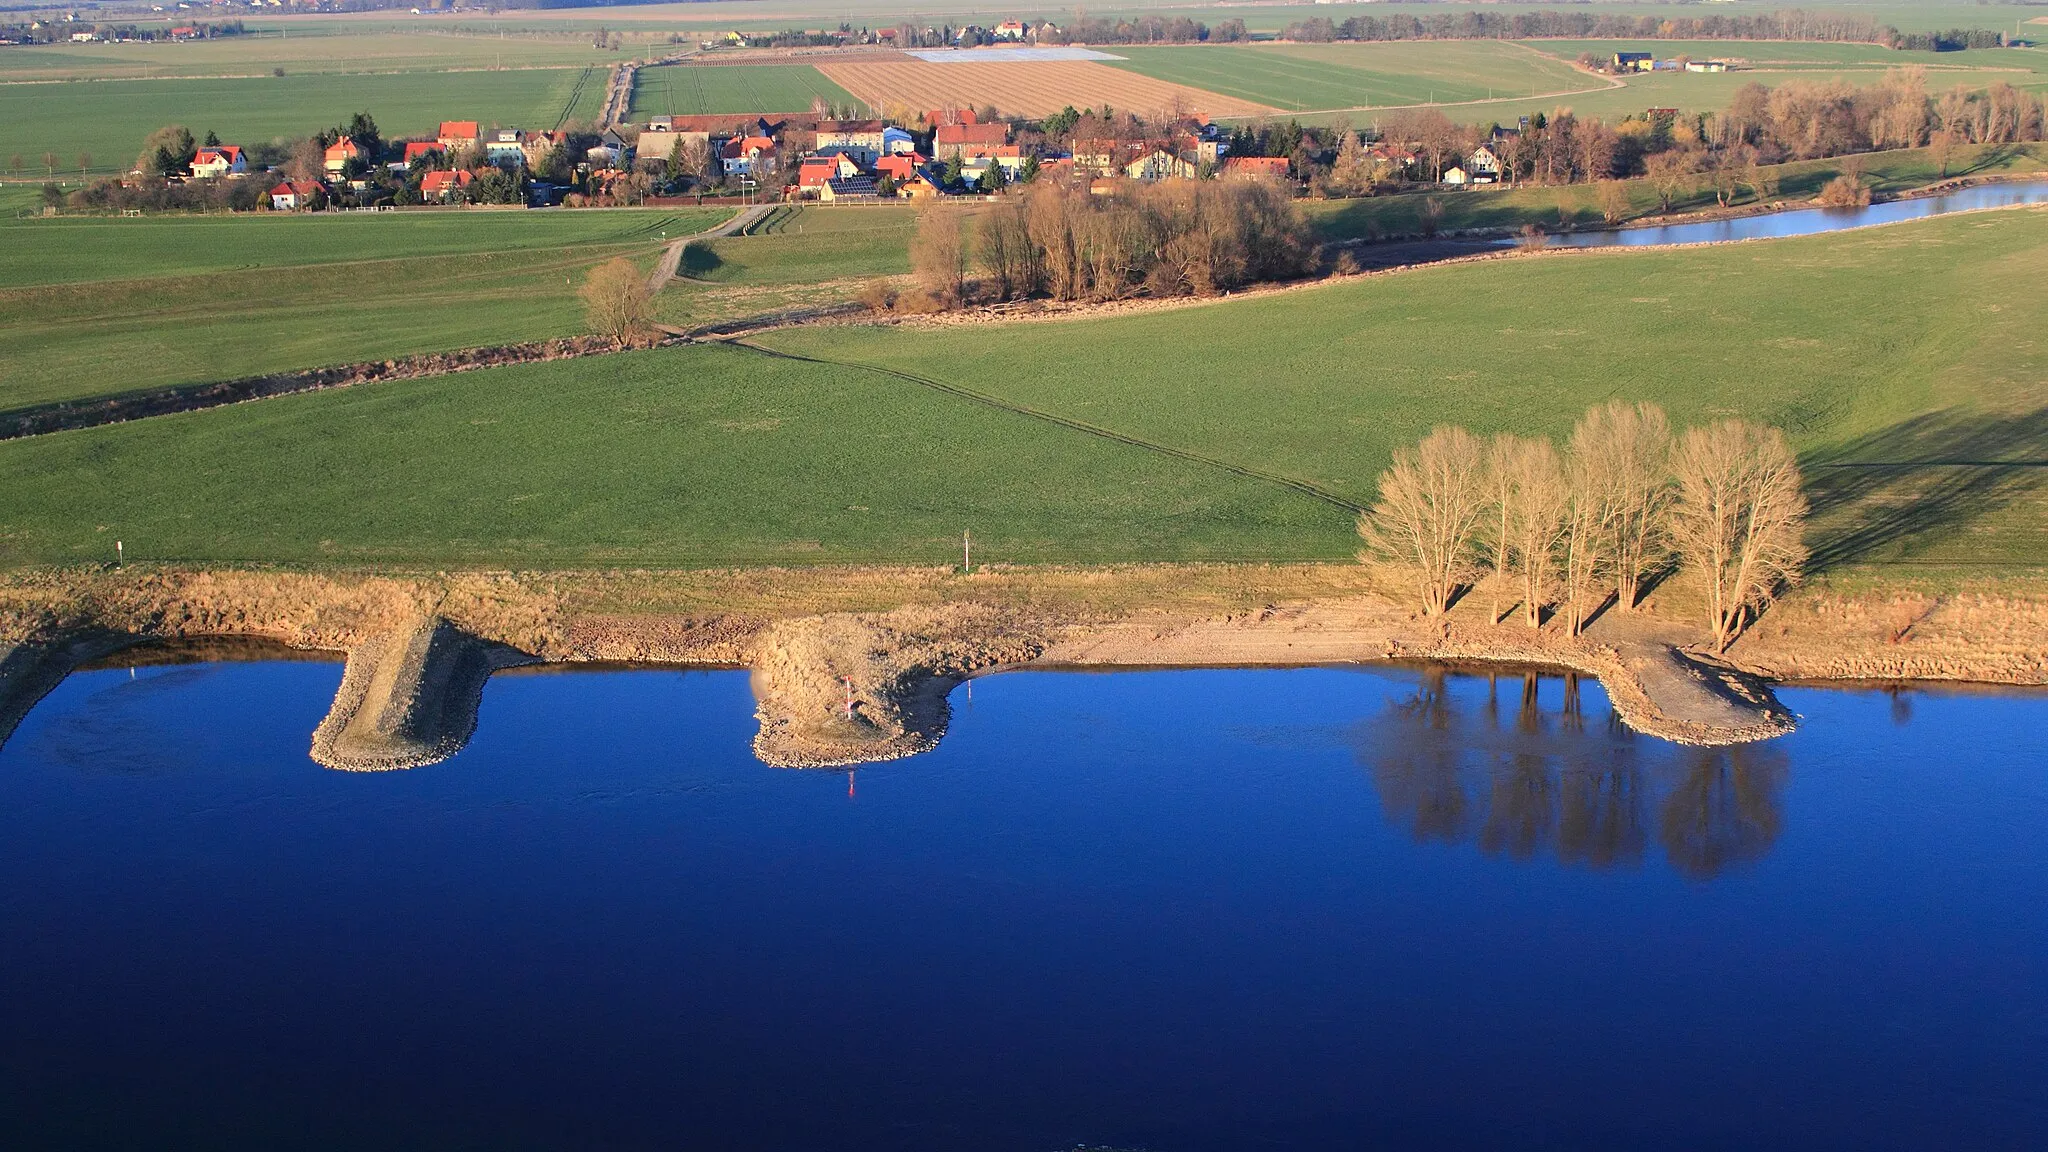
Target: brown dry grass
1030 88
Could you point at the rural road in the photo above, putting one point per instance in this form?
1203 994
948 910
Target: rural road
672 256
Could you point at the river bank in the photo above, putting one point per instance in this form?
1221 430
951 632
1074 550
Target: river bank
853 665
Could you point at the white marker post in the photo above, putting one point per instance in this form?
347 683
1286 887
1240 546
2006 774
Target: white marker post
967 551
120 557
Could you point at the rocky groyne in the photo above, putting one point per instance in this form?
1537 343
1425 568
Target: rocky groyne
855 666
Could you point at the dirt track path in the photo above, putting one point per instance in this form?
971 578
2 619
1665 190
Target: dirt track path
672 256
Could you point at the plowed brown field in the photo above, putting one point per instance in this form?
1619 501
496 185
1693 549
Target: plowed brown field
1028 88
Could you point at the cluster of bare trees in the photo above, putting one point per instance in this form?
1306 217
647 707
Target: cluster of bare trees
1625 501
1175 238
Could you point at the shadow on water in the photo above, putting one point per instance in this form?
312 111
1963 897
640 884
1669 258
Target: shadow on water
1521 781
1921 482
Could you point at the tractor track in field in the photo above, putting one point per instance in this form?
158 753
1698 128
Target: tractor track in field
1303 487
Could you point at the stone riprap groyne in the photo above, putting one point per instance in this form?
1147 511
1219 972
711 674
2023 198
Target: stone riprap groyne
842 677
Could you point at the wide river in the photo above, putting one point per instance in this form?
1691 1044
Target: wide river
1198 910
1811 221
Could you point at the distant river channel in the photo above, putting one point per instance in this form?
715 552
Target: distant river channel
1183 911
1811 221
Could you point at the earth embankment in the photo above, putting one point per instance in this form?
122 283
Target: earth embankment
852 666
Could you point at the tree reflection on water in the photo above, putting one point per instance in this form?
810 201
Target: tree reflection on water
1521 781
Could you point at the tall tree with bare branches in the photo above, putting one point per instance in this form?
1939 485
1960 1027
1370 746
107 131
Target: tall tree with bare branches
1536 520
938 255
1738 519
1624 453
1427 517
616 300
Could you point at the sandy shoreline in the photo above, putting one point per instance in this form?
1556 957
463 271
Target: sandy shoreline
854 665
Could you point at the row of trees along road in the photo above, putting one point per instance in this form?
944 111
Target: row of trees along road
1622 503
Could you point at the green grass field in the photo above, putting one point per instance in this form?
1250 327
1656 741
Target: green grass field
690 454
109 119
691 89
1909 345
201 298
1300 77
298 49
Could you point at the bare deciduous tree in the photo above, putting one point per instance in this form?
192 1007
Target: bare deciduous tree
1007 256
1428 514
1613 201
1535 521
615 300
1738 519
1669 174
937 255
1623 455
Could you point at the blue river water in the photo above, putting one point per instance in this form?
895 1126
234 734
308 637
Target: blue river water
1193 910
1811 221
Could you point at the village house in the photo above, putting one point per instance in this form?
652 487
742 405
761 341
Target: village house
418 150
1256 167
457 135
746 155
296 196
816 172
841 189
1009 158
1096 156
340 155
860 139
1633 62
217 160
505 147
446 187
917 186
1456 175
1159 164
901 166
538 146
1484 165
896 141
950 140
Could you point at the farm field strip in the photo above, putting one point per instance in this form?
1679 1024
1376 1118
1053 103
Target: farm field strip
1302 77
109 119
1027 89
422 50
64 250
709 90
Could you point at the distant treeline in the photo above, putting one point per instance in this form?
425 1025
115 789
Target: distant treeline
1794 24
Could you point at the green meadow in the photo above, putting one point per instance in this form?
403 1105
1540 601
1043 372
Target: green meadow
99 306
1300 77
1904 361
300 49
703 89
109 119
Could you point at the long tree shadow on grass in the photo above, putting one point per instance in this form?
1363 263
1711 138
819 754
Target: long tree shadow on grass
1920 483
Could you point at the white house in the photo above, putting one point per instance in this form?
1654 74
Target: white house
215 160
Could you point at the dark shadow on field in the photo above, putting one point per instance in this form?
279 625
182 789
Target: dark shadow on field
699 262
1920 482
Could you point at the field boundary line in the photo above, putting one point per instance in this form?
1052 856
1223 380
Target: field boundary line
1303 487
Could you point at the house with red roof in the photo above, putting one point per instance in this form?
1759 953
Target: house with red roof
216 160
746 155
900 167
446 187
950 140
418 150
341 154
818 171
297 196
455 135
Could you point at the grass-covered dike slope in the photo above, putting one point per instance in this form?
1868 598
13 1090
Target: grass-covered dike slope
1915 348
